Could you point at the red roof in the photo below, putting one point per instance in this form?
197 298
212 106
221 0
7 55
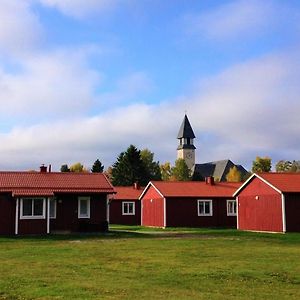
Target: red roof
46 184
285 182
127 193
195 188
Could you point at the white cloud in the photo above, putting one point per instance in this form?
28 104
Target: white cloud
236 19
81 8
56 84
250 109
20 28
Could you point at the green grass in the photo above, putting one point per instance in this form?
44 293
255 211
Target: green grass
142 263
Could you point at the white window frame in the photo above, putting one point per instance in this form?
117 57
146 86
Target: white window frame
128 203
87 216
55 207
210 206
227 206
33 217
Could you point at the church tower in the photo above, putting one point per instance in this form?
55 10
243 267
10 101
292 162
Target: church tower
186 148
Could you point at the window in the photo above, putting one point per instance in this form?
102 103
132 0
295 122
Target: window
33 208
231 208
204 207
52 208
84 207
128 208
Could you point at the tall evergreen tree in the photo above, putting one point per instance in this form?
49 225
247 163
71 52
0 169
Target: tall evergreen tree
151 166
64 168
129 168
97 167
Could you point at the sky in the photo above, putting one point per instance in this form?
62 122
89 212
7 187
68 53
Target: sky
84 79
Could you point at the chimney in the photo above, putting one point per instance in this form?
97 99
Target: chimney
43 169
49 168
210 180
136 186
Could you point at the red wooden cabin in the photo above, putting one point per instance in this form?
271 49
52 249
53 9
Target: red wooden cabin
189 204
124 207
269 202
42 203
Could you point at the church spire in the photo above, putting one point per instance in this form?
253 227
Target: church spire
186 148
186 130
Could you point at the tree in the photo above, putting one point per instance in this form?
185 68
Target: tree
234 175
288 166
295 166
152 167
180 171
77 167
97 167
129 168
64 168
165 170
108 173
262 164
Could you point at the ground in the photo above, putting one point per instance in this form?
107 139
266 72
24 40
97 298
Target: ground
139 263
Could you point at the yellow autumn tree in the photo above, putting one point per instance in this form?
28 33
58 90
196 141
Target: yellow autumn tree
234 175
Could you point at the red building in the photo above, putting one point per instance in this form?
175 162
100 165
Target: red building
124 207
269 202
42 203
189 204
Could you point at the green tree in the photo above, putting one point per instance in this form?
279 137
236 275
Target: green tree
165 170
151 166
295 166
97 167
180 171
64 168
129 168
234 175
77 167
288 166
261 164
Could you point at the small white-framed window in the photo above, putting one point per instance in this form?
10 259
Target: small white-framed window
231 207
128 208
52 212
33 208
205 208
83 207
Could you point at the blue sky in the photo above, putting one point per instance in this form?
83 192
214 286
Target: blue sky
81 80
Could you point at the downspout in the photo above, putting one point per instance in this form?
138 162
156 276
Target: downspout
107 209
283 213
17 217
48 215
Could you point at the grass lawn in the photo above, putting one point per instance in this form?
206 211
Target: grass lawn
139 263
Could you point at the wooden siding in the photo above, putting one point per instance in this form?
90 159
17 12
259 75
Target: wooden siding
7 214
67 214
292 211
263 214
183 212
116 217
37 226
152 208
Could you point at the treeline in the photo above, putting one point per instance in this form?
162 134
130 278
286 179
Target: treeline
134 165
138 166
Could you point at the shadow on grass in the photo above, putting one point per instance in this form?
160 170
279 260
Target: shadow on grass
139 232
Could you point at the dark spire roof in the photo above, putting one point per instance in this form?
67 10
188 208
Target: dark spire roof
186 130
